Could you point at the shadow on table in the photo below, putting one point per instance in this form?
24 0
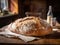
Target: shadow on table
55 35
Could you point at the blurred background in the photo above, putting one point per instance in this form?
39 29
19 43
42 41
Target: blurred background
18 8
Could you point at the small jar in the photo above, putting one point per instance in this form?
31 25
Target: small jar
53 21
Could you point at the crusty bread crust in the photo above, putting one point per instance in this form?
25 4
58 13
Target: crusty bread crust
31 26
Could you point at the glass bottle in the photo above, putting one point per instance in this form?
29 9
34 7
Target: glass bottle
49 15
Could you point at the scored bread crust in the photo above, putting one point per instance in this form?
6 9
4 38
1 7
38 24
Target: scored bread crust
31 26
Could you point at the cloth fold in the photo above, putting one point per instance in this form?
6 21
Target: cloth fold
8 33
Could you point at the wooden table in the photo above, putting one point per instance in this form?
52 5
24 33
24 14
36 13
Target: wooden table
18 41
53 38
48 39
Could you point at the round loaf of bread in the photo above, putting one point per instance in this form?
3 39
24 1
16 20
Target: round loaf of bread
31 26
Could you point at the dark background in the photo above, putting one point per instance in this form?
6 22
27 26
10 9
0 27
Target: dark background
24 6
56 8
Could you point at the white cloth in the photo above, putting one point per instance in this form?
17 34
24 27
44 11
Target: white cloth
23 37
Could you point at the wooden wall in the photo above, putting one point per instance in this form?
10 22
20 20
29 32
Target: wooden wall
32 6
22 6
39 6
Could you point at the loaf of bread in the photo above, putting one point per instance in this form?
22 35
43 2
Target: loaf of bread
31 26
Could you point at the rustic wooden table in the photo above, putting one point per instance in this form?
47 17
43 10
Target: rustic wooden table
53 38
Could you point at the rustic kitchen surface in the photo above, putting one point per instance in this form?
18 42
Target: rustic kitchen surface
50 39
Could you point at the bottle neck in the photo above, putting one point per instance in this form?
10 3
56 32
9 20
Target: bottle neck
50 13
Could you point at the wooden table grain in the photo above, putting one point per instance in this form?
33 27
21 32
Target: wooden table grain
48 39
53 38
